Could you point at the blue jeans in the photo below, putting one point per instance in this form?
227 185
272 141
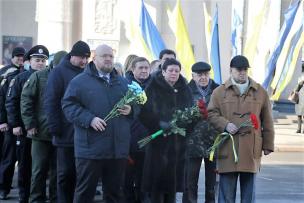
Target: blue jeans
228 185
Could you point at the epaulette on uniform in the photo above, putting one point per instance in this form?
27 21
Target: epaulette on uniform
9 71
3 81
7 74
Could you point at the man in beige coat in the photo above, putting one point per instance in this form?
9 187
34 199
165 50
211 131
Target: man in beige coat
231 104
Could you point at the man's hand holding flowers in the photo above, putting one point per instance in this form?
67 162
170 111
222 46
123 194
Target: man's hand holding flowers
125 110
134 95
231 128
98 124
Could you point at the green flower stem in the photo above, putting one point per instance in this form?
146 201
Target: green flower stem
236 159
155 135
220 139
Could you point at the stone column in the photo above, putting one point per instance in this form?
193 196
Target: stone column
100 23
54 24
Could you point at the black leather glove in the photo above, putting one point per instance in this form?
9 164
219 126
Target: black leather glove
165 126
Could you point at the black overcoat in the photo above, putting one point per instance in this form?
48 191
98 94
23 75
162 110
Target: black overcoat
165 156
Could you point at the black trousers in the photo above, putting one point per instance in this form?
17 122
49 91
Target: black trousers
160 197
16 149
8 160
66 174
89 171
192 175
133 178
23 147
1 144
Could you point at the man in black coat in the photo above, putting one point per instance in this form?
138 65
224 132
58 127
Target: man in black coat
200 139
140 73
61 129
7 140
163 56
101 148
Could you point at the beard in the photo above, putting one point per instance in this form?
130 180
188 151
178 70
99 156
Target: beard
107 68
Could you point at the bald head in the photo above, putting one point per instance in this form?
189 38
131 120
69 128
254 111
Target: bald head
103 48
103 58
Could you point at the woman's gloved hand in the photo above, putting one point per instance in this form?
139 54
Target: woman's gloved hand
165 126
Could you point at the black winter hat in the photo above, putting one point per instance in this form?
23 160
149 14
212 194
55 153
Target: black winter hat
80 48
239 61
38 51
200 67
18 51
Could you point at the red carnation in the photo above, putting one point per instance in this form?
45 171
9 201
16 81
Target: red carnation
201 104
202 108
254 121
204 113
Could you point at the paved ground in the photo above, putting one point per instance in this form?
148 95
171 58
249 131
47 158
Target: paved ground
281 179
286 138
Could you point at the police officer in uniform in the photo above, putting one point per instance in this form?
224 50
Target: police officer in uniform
37 56
7 141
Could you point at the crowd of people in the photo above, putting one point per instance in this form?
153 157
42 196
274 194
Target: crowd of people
52 123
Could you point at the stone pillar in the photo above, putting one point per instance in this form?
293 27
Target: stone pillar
54 24
100 23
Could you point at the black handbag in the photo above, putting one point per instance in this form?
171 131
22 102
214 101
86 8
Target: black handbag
294 97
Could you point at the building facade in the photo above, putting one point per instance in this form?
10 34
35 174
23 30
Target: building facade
57 24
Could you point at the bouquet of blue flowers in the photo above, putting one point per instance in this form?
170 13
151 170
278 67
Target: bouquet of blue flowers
134 95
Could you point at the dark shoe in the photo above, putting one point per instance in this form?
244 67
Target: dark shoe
3 195
298 131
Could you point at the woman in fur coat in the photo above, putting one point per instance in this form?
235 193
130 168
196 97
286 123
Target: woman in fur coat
163 173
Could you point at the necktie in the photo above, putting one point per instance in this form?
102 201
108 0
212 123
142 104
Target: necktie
105 78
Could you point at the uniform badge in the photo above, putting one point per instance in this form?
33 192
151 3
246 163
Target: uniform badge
12 83
40 51
26 83
3 81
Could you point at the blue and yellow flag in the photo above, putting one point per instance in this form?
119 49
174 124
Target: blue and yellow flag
150 33
272 62
288 57
215 50
237 26
183 46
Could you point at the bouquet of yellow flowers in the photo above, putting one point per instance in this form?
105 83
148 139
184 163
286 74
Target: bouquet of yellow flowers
134 95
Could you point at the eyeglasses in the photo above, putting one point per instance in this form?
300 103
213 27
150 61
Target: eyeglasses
106 55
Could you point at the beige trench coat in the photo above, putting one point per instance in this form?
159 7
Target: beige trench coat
226 105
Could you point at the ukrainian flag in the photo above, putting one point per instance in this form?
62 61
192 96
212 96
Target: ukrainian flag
150 34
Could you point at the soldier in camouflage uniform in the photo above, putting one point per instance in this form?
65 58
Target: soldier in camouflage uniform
201 139
7 140
37 56
43 152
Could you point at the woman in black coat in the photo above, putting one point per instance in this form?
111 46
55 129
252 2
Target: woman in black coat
163 173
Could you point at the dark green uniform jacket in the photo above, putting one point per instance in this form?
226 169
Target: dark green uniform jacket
32 111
